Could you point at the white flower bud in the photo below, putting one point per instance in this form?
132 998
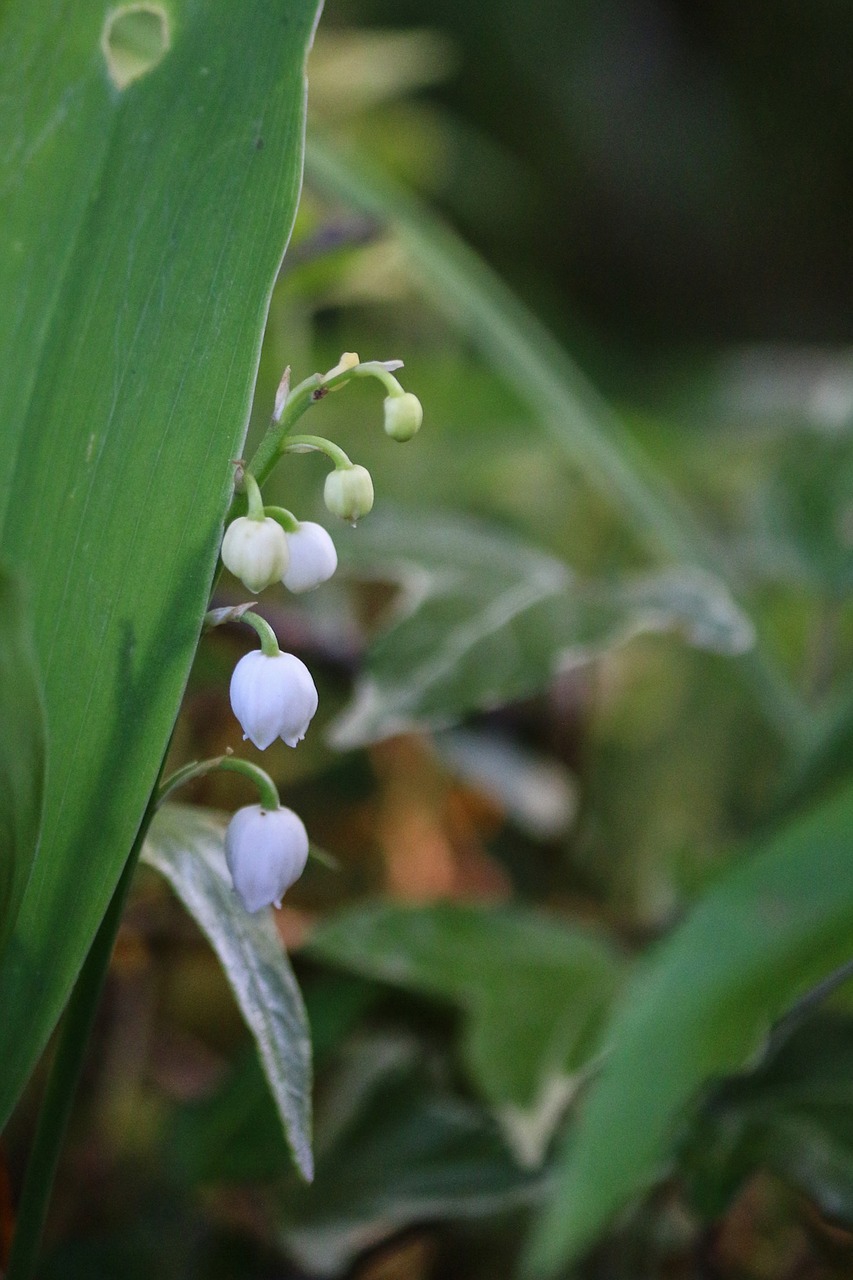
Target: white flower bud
313 558
255 551
403 416
266 851
273 697
348 492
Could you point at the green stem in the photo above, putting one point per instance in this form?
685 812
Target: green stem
285 518
266 787
375 369
298 401
299 444
200 768
269 642
253 497
65 1073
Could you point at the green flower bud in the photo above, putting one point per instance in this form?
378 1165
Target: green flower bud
403 416
348 492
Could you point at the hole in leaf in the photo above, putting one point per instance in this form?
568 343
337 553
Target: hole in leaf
135 38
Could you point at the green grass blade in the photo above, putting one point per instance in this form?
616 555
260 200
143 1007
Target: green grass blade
22 754
569 408
699 1008
159 214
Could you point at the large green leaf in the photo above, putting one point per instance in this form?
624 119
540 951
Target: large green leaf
394 1148
535 993
142 232
484 617
700 1007
186 845
22 754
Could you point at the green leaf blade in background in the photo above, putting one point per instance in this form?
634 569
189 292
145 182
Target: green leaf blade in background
187 847
125 407
396 1149
565 404
535 993
22 754
485 617
700 1007
792 1115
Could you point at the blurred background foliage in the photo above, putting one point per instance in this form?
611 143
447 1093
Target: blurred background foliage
668 187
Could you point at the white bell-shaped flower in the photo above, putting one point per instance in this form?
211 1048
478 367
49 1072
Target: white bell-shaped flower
403 416
348 492
273 697
266 851
255 551
313 558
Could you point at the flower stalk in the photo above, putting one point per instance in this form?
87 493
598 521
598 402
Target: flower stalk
268 638
267 789
292 403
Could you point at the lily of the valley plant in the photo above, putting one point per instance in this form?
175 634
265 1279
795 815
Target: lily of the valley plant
272 693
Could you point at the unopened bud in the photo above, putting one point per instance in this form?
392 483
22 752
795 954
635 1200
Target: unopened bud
403 416
348 492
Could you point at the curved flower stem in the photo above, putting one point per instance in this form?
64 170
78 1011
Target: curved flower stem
269 641
253 496
199 768
285 518
376 369
300 399
318 444
65 1072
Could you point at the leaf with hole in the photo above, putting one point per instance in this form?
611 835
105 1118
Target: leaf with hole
143 230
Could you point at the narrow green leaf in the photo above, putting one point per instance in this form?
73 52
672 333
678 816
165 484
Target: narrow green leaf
699 1008
484 617
22 754
142 231
535 993
186 846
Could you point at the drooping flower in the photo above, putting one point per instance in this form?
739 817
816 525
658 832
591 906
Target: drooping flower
348 492
403 415
313 558
255 551
266 851
273 697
